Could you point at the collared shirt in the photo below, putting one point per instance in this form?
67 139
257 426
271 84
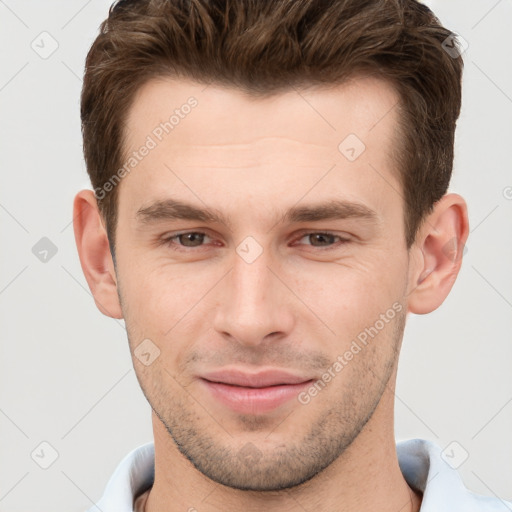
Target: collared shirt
423 466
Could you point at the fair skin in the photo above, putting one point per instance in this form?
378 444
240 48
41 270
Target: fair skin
297 306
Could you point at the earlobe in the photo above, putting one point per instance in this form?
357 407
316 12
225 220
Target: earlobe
94 253
441 241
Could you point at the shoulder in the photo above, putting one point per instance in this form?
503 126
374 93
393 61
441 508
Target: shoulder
431 471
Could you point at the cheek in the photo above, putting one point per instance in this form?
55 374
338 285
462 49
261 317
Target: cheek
150 283
167 301
348 297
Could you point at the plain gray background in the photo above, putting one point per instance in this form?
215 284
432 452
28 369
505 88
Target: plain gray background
65 369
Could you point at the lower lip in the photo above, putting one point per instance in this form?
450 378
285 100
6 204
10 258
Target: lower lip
254 400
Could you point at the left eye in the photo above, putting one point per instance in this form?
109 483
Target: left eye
324 239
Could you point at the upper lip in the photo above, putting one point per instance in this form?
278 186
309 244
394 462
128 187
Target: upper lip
271 377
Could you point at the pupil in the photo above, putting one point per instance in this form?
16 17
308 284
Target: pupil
190 238
322 236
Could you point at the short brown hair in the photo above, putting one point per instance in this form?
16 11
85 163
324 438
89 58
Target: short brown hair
263 47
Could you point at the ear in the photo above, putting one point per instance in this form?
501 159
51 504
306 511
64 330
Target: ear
438 254
94 252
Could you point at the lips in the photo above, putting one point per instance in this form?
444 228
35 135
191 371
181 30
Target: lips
256 393
261 379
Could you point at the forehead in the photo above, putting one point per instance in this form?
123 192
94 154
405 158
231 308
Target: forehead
316 116
211 138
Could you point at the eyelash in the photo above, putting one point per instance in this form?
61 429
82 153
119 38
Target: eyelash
169 241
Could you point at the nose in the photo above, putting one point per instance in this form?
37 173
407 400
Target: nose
254 304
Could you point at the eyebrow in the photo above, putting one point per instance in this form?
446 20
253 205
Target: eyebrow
173 209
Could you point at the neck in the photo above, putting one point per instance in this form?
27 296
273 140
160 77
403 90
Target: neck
365 477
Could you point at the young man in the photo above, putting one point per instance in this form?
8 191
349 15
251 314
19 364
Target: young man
269 203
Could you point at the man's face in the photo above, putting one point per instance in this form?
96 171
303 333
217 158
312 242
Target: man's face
263 289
